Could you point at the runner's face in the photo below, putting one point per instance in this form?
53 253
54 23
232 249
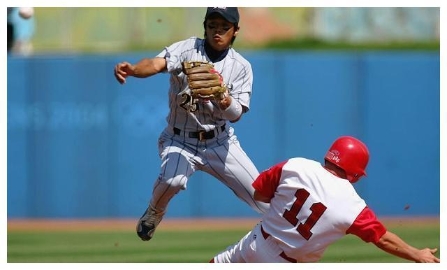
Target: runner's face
219 32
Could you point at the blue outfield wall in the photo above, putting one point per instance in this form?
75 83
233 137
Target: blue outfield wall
80 145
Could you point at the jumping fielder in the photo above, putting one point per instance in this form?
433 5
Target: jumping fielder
312 206
210 87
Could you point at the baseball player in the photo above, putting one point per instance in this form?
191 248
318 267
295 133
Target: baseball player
311 206
198 135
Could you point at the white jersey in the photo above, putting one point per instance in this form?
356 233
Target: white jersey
311 209
182 150
187 114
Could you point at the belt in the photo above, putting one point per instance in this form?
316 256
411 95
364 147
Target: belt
282 255
201 135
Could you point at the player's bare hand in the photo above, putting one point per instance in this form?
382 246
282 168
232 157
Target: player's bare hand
426 255
122 71
224 100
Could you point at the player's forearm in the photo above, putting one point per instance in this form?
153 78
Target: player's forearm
147 67
393 244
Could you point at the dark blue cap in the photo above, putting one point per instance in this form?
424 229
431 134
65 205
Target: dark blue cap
230 14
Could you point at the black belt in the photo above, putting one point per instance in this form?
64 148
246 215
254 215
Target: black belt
201 135
283 255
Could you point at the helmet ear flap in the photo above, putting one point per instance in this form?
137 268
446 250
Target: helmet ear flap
354 178
351 155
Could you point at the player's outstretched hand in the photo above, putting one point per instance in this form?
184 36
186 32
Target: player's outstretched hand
426 255
122 70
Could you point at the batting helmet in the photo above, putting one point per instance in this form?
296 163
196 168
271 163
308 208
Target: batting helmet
351 155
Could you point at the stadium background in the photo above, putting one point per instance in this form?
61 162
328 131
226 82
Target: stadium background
79 145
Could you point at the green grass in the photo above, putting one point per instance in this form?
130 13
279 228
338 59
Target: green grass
316 44
182 246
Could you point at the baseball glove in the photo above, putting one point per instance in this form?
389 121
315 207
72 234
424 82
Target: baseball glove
203 80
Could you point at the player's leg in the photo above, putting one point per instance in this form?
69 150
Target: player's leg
230 164
175 171
252 248
234 253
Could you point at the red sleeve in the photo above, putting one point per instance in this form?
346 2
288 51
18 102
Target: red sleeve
267 182
367 226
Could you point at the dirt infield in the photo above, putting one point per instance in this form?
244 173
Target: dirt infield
126 224
170 224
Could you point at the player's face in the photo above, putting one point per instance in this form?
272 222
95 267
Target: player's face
219 32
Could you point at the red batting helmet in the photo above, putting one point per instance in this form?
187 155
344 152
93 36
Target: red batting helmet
351 155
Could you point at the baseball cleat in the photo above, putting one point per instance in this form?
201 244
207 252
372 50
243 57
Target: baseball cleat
148 222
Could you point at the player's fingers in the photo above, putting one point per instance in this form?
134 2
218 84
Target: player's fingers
122 69
120 72
120 78
433 251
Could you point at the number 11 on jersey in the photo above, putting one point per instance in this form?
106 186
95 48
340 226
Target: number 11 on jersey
304 229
